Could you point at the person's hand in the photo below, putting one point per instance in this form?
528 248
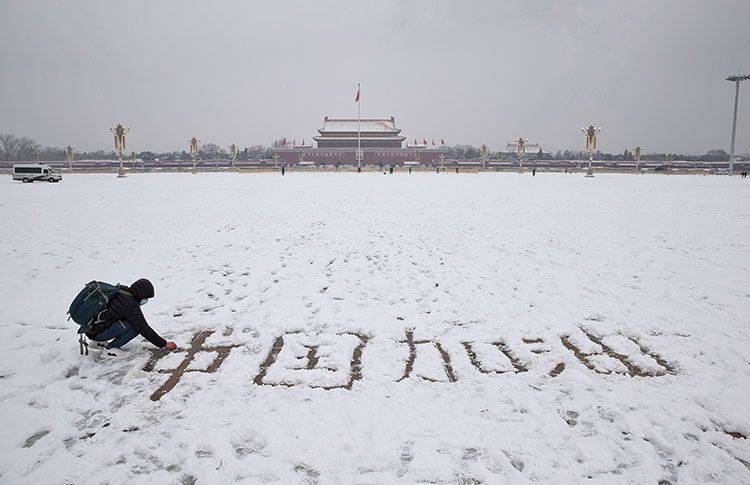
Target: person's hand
171 345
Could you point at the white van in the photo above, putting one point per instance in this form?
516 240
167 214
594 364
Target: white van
30 172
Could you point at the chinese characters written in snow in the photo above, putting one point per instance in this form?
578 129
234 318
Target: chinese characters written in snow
335 361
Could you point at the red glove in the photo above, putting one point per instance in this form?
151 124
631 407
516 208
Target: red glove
171 345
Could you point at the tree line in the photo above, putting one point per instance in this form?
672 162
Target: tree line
15 149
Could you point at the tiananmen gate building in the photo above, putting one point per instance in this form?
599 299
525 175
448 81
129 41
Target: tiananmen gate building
380 139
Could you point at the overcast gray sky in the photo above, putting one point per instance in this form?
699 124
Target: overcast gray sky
651 73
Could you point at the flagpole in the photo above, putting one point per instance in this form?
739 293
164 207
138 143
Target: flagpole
359 121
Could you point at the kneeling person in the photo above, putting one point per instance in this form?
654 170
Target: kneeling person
123 318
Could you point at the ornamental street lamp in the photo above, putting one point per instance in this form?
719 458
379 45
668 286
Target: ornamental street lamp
736 80
120 131
637 158
520 145
193 146
69 156
483 155
590 132
233 155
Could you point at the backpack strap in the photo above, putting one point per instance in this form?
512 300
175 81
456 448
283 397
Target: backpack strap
121 289
83 344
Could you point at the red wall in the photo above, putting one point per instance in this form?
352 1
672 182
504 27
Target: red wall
386 156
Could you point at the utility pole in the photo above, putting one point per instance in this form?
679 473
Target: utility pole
359 131
736 80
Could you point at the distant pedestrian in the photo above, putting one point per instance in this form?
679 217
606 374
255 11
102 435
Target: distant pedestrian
390 170
283 169
533 172
409 170
456 169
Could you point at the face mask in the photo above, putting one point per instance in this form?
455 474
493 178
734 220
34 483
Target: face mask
143 302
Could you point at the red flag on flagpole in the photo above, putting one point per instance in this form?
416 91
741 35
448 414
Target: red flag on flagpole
442 142
424 142
433 142
356 98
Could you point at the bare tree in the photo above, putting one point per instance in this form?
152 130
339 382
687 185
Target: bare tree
27 149
211 150
10 145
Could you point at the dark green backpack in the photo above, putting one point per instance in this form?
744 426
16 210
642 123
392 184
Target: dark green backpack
89 304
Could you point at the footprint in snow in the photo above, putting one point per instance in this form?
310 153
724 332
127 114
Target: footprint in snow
31 440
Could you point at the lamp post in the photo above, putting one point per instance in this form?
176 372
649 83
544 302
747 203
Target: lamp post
120 131
483 155
637 158
590 132
442 162
275 159
69 156
736 80
519 144
193 146
233 155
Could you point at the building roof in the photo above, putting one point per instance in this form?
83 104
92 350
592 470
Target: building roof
338 125
363 137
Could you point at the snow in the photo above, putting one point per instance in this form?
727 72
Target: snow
551 280
349 125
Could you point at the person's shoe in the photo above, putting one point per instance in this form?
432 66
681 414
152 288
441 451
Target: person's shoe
112 353
97 347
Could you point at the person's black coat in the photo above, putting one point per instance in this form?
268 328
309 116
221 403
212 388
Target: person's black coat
126 306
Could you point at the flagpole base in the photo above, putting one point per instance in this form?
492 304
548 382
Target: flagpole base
589 173
121 174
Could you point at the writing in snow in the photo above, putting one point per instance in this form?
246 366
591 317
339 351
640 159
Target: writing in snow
334 361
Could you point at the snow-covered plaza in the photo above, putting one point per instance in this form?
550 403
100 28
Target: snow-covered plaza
369 328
